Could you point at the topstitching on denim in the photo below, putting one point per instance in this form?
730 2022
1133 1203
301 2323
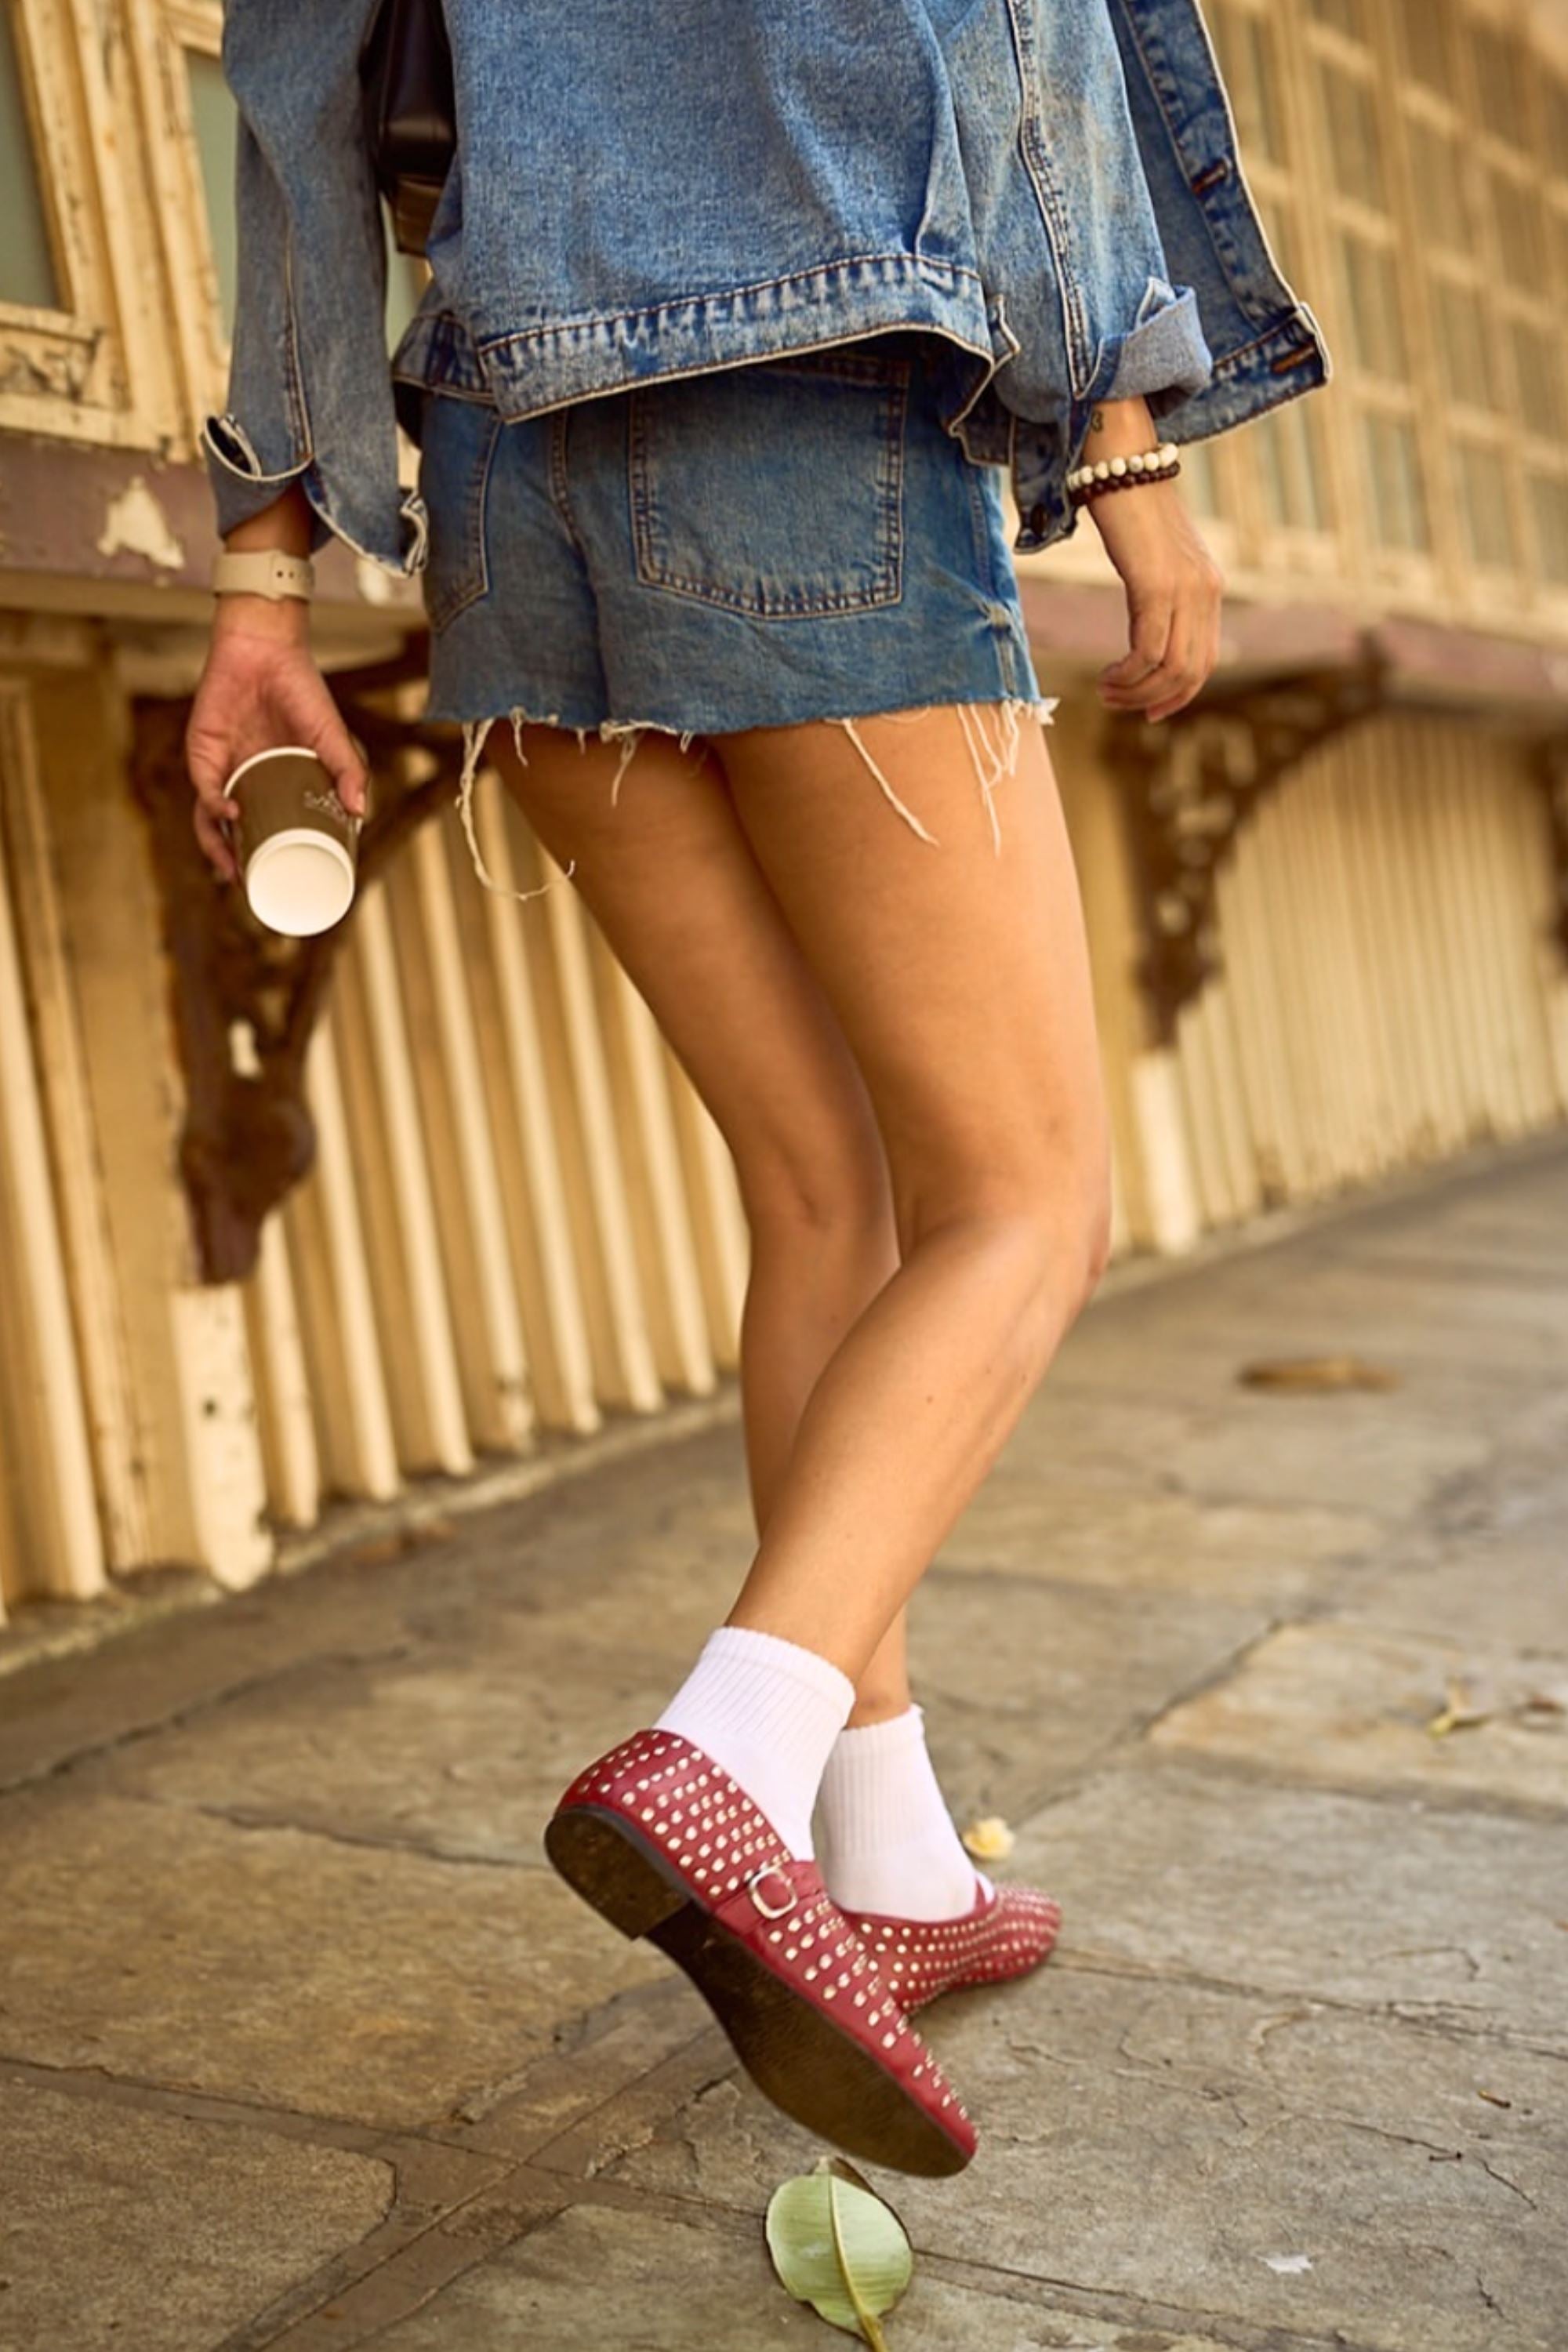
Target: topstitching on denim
831 535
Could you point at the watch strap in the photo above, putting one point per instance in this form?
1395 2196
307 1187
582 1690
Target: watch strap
264 572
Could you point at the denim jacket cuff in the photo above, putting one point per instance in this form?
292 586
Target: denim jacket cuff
1164 353
243 483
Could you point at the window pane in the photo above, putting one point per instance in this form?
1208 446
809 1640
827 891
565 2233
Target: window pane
26 265
1289 468
1442 190
1538 368
1279 229
1483 507
1345 15
1199 477
1252 79
1352 113
1395 497
1555 93
1465 343
1424 27
1498 81
1371 298
1548 499
217 126
1521 235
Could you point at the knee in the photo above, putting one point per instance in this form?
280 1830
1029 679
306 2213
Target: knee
819 1189
1046 1245
1071 1249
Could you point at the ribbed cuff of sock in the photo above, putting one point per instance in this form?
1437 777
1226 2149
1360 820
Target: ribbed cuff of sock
768 1711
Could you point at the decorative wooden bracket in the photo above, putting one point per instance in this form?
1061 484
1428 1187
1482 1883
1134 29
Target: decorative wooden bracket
248 1137
1190 784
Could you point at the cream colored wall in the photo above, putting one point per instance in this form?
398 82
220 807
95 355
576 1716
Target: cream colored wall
522 1220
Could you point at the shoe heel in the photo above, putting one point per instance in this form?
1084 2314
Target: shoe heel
608 1865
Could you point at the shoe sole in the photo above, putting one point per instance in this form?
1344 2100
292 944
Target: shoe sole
798 2058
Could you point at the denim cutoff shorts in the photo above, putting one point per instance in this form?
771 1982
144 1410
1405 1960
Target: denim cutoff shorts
790 538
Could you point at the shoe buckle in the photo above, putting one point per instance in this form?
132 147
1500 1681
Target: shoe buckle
769 1870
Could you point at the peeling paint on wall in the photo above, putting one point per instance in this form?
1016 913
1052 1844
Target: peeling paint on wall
135 524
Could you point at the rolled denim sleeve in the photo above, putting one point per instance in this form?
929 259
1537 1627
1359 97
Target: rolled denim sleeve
1164 355
309 390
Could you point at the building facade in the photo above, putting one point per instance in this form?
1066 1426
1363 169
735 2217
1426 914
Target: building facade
286 1224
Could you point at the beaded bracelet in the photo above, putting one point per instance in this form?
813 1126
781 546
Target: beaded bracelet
1159 464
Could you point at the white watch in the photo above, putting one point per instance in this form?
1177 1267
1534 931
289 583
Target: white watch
265 572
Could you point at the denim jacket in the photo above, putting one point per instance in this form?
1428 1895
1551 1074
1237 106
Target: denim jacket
660 187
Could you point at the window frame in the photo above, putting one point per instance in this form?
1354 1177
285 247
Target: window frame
95 357
164 33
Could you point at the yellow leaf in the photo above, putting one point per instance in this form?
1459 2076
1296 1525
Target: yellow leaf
989 1840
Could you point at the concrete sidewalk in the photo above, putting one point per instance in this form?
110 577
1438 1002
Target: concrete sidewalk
304 2044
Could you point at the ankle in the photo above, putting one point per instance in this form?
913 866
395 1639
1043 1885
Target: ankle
878 1707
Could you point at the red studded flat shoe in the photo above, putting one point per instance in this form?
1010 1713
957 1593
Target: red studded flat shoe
1010 1930
663 1844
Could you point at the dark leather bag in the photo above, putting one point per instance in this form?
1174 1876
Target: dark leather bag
411 118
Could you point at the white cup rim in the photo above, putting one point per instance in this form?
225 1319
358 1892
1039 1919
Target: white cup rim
274 752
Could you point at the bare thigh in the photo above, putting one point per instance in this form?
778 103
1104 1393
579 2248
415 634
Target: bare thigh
957 968
672 882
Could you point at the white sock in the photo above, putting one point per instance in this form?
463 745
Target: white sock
889 1843
768 1712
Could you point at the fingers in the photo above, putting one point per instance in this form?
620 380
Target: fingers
318 723
214 843
1174 642
209 767
1152 609
336 754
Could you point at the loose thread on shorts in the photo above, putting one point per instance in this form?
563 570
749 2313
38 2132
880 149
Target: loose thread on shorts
633 731
907 814
474 731
975 736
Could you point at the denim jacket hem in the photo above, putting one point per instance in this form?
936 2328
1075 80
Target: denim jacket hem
529 370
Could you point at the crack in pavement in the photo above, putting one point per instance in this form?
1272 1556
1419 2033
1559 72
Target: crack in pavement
61 1767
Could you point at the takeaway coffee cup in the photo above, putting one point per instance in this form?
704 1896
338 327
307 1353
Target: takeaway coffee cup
297 845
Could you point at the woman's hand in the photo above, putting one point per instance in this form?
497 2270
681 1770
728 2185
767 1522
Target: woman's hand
261 688
1174 587
1174 593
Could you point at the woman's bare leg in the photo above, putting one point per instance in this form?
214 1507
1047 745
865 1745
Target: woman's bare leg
672 882
960 980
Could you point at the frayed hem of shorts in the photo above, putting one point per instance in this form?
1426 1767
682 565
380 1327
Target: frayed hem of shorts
991 761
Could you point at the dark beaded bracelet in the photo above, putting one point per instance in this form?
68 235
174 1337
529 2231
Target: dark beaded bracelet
1087 490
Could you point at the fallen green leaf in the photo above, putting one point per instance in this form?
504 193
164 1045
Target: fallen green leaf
835 2245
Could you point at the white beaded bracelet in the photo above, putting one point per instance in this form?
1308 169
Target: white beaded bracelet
1142 461
1086 482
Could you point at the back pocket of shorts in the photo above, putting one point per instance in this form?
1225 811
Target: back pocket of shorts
775 489
457 447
